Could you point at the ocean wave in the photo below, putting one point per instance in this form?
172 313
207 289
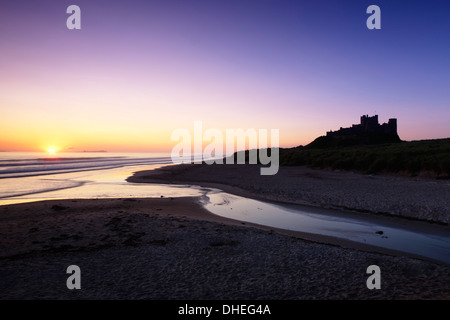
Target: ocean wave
20 167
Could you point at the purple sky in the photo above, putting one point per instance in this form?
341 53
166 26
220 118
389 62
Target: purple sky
137 70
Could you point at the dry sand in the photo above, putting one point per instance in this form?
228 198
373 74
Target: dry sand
174 249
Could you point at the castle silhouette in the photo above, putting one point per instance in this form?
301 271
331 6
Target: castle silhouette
369 131
367 125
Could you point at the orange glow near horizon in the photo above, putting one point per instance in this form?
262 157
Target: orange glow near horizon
71 134
115 140
112 142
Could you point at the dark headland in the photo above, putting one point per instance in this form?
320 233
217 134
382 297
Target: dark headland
372 148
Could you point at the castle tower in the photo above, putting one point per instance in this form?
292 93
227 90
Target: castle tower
364 120
369 124
393 125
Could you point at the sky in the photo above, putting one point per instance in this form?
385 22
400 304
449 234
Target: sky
138 70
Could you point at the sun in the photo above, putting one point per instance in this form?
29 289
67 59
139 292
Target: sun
51 150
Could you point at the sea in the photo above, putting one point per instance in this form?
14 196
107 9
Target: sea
34 176
29 177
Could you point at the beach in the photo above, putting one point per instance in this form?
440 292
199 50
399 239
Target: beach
411 198
173 248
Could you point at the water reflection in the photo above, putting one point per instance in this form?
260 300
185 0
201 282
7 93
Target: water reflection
381 233
87 185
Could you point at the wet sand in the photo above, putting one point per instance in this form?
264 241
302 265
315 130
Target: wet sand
411 198
172 248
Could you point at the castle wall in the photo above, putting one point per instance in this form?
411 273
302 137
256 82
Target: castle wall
369 125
